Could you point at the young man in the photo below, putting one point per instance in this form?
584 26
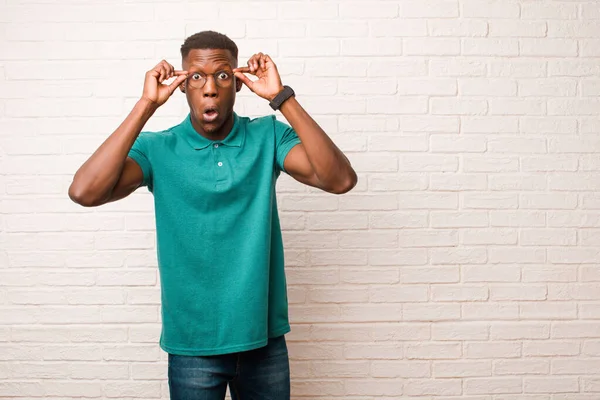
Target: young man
220 251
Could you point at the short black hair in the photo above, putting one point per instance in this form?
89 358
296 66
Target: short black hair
209 40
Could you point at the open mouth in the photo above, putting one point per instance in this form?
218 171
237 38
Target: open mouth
210 114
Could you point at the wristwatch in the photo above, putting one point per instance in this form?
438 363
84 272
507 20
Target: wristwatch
282 96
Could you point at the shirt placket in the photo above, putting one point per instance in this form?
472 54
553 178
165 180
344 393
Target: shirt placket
220 168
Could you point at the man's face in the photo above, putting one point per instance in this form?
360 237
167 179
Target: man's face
210 87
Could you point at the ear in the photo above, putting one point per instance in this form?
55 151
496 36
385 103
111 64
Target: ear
238 85
182 87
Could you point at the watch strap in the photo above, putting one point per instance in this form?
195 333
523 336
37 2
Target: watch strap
282 96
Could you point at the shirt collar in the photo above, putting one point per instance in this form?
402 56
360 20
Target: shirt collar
235 138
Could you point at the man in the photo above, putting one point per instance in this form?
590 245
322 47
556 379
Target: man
220 252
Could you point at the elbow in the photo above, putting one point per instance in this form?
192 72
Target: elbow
83 198
346 185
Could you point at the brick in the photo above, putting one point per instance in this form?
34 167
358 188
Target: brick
489 9
431 46
519 330
398 143
489 237
489 201
550 11
548 309
459 331
550 385
447 274
473 273
524 182
371 313
457 67
461 369
397 27
430 123
434 387
549 164
398 294
431 312
397 105
489 47
518 293
517 145
574 68
429 9
387 220
522 367
493 385
457 256
451 144
337 257
486 87
386 183
509 106
459 28
397 258
371 46
548 237
428 238
404 67
443 106
462 293
558 125
472 163
489 311
503 28
354 10
428 200
399 369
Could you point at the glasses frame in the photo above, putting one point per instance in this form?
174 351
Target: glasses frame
189 80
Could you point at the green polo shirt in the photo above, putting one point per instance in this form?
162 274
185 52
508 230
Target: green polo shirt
220 251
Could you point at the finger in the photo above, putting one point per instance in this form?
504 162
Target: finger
163 69
245 80
242 69
268 60
253 62
260 60
177 72
178 81
163 74
259 57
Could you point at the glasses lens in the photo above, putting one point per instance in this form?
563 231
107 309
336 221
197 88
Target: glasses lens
223 78
196 80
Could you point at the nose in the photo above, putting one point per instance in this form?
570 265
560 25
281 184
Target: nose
210 87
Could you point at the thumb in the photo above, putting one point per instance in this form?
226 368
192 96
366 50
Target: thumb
175 84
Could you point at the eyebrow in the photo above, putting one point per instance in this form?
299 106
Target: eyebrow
218 68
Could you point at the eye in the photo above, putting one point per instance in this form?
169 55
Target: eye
222 75
196 76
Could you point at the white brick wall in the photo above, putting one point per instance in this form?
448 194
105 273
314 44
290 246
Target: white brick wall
464 265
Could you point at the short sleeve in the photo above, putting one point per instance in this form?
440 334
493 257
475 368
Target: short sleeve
285 139
139 153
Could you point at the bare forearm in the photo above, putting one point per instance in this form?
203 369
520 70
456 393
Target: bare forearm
329 163
100 173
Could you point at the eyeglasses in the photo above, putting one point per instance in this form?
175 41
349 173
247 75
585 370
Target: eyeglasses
223 79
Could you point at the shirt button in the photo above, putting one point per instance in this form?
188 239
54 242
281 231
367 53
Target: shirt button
220 164
216 145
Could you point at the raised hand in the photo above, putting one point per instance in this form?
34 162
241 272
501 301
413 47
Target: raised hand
155 90
262 66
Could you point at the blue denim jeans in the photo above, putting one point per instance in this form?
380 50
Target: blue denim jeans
260 374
